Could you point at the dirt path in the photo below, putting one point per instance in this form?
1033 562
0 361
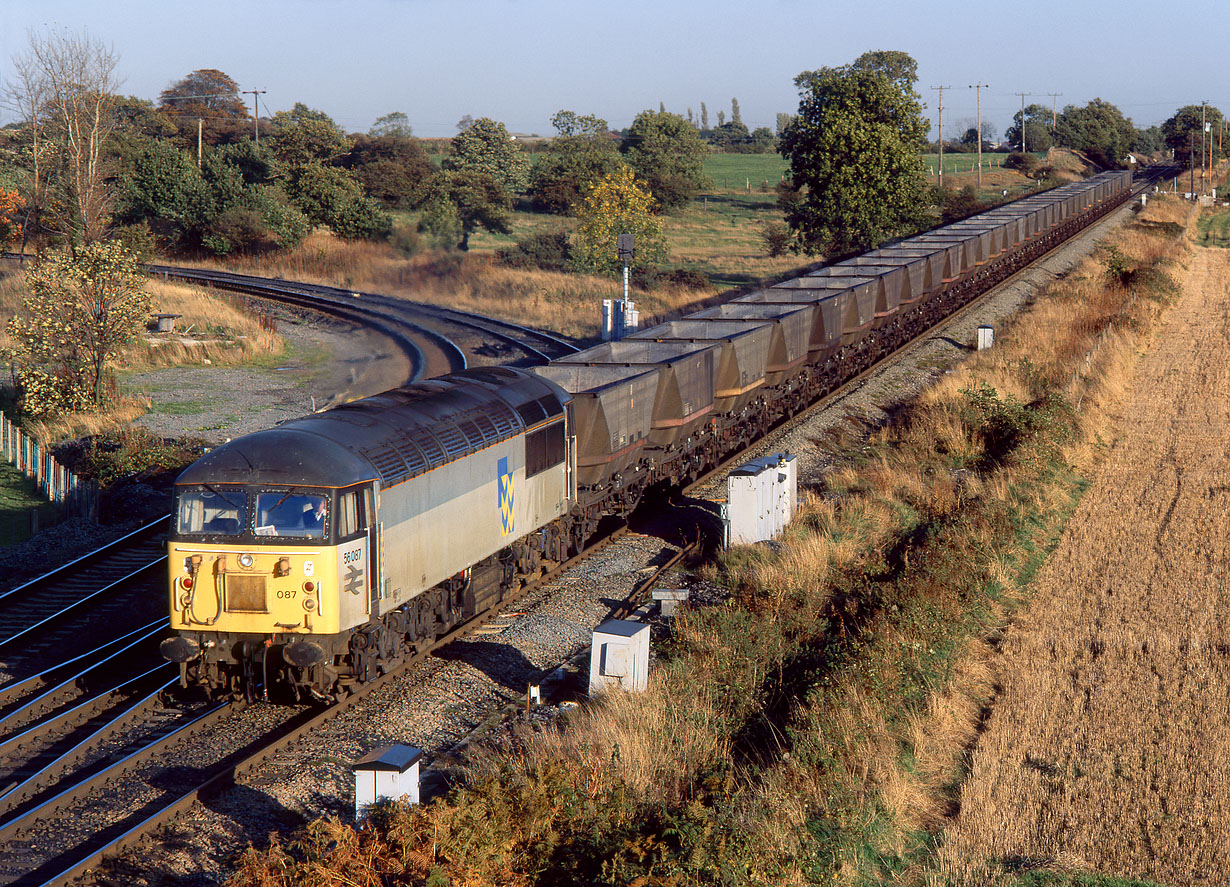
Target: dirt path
1108 748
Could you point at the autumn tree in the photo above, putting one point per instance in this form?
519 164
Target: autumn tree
81 309
668 155
213 98
486 147
11 204
856 178
617 204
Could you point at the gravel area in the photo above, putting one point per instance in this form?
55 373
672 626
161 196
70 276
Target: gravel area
330 362
440 703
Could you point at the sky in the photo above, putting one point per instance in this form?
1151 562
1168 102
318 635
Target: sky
520 61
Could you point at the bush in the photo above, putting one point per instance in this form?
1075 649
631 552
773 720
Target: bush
776 238
1026 163
657 278
550 251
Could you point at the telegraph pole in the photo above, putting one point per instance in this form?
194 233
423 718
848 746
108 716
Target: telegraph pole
1054 96
1022 95
941 89
978 88
1203 125
256 116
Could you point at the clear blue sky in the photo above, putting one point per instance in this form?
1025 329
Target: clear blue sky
519 61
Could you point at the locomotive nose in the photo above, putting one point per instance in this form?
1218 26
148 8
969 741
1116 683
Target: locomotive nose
179 649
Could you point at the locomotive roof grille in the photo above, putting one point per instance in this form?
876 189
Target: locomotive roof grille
396 435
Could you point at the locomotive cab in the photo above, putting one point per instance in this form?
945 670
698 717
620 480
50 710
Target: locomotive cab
269 561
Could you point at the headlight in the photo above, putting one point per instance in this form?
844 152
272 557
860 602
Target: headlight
246 560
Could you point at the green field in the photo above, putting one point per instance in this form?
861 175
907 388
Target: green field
18 498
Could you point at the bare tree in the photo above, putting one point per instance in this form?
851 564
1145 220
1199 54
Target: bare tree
24 95
77 82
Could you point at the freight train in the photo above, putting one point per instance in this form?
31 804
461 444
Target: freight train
318 554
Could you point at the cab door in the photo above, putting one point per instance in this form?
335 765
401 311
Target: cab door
354 575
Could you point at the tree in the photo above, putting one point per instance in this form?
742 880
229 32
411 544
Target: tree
582 153
390 167
783 120
856 176
1037 129
465 123
486 147
735 117
731 137
899 67
1099 130
618 204
69 83
667 154
1149 141
212 97
304 135
394 125
227 206
81 309
1186 125
458 202
704 116
331 196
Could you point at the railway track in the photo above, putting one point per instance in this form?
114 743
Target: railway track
206 777
438 340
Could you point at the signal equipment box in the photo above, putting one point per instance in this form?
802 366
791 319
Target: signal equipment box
761 498
388 773
619 657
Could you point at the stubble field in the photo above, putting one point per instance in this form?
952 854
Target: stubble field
1108 748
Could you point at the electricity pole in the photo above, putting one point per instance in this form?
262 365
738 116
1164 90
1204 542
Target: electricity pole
1203 126
941 163
1054 96
256 116
978 87
1022 95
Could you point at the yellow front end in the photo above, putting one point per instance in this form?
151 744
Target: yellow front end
246 589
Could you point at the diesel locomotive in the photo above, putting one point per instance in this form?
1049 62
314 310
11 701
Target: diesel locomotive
319 553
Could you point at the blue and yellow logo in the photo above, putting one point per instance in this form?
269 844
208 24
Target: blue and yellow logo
506 495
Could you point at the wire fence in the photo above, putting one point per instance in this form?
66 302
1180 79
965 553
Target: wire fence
76 496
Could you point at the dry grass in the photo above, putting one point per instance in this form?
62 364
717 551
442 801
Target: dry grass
569 304
1108 745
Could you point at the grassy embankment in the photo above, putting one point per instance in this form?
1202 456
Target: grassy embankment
815 728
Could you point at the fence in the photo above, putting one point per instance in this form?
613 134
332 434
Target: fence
79 497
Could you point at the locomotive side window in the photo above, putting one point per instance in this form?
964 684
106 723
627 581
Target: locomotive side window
295 513
350 515
544 449
216 511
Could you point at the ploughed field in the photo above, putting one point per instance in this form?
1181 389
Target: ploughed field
1108 748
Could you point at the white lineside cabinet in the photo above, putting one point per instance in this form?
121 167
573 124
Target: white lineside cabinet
761 497
619 656
986 336
390 772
